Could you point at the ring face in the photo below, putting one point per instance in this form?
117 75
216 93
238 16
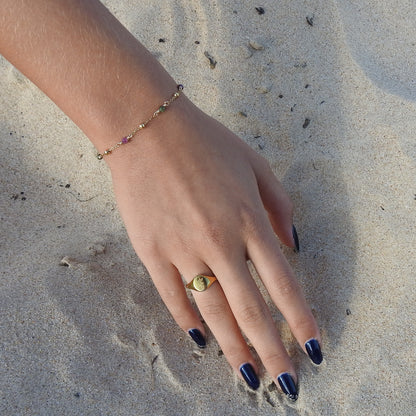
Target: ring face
201 282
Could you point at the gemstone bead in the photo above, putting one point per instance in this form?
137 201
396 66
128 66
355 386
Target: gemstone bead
162 108
124 140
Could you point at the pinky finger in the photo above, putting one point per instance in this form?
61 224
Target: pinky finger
168 282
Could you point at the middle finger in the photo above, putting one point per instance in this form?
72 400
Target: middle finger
255 320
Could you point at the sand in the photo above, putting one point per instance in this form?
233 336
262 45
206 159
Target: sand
83 330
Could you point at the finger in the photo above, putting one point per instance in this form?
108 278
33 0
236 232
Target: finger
217 314
255 320
169 284
277 204
285 292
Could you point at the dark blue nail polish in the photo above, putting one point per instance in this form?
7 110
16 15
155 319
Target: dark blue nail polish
314 351
295 238
288 386
250 376
197 336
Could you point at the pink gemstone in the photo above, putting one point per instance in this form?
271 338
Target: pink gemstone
124 140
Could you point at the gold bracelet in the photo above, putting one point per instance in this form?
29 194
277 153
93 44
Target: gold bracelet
142 125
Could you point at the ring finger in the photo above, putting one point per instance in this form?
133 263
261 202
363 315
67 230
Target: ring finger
217 314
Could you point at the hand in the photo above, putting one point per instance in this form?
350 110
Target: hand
196 199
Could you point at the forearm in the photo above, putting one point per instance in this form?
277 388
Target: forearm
86 62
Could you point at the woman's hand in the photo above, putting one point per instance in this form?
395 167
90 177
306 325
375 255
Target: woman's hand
197 200
194 198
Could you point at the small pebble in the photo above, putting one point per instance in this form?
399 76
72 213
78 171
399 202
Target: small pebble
255 45
264 89
96 248
306 123
66 262
242 114
260 10
309 20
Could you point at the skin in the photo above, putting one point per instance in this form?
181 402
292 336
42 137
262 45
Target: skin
193 196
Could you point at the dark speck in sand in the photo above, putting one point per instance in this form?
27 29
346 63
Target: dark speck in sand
212 61
348 312
301 65
307 86
280 95
309 19
77 395
197 42
272 387
162 40
260 10
220 353
268 399
306 123
242 114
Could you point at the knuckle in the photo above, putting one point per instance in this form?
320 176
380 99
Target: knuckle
252 315
253 221
286 287
214 311
146 248
213 234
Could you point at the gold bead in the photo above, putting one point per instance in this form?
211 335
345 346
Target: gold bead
99 156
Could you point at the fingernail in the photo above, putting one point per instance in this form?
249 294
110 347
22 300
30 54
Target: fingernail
249 376
197 336
314 351
295 238
288 386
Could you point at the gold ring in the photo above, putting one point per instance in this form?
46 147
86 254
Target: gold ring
201 282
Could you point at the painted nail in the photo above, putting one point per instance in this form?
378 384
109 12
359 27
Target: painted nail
295 238
288 386
249 376
197 336
314 351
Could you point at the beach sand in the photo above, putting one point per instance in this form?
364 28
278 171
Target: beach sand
83 330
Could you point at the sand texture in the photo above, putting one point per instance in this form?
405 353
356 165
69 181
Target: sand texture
330 102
